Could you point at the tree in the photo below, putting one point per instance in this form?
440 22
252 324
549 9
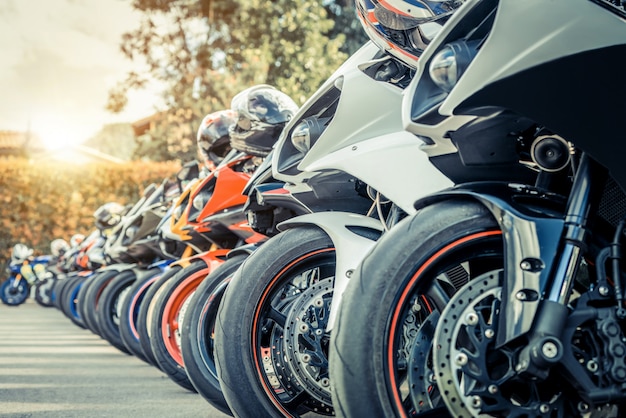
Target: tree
204 52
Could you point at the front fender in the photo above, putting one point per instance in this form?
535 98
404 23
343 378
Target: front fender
532 223
353 236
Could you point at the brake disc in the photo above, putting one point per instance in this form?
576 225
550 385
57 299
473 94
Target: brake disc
475 379
306 340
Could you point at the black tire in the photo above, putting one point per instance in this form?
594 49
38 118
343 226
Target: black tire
60 287
254 320
163 331
63 294
43 292
145 311
108 309
90 295
130 310
383 335
82 305
69 304
197 341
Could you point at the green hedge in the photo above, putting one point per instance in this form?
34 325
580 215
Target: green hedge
43 201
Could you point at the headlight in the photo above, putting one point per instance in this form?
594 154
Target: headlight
304 134
450 63
301 137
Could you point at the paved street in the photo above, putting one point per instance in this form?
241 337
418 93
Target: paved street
51 368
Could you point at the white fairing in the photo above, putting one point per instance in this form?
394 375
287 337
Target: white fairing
366 138
365 54
393 164
350 248
559 28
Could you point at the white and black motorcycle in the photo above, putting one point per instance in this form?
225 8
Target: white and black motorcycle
348 169
500 297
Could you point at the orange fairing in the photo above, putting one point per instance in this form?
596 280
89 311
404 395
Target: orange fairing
227 193
225 186
249 235
178 220
212 258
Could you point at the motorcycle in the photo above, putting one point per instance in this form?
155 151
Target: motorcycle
275 317
502 296
210 217
23 271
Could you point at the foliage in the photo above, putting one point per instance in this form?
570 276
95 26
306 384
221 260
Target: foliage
55 200
116 139
206 51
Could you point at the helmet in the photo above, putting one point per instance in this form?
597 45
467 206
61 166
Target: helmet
76 239
58 247
20 252
262 112
213 139
108 215
404 28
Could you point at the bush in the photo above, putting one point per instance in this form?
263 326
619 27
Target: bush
43 201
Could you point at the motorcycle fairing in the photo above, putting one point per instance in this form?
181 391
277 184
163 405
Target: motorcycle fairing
531 241
398 153
547 80
353 236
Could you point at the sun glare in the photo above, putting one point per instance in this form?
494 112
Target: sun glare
55 134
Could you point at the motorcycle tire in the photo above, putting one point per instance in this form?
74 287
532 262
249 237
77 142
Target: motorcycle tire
130 311
197 340
90 295
43 292
380 354
108 309
164 324
69 304
14 295
253 322
145 310
61 288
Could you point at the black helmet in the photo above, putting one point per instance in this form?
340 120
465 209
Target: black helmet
262 112
213 139
108 215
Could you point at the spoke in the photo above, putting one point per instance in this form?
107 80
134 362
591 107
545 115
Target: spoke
438 295
277 317
296 401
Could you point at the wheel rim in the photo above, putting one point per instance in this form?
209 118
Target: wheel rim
133 310
173 314
282 387
206 328
423 294
14 295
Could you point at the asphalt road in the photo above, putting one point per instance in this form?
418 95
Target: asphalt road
51 368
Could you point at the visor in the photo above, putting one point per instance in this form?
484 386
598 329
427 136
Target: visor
264 104
422 12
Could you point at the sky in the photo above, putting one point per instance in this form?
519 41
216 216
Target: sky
58 60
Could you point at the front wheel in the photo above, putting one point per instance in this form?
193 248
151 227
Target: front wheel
271 337
197 340
381 351
43 292
14 292
168 315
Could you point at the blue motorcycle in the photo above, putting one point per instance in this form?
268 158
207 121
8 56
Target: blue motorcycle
24 271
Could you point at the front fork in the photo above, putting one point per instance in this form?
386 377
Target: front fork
545 347
542 250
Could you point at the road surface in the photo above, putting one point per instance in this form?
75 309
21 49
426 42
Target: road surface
51 368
